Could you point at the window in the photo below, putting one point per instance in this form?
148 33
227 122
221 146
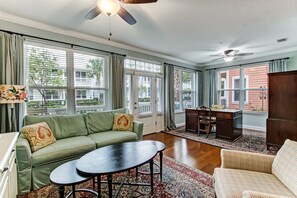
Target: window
257 88
90 81
254 89
183 90
142 66
236 87
228 92
48 79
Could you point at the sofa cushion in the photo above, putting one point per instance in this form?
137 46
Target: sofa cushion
233 182
112 137
284 165
63 126
123 122
101 121
63 149
38 135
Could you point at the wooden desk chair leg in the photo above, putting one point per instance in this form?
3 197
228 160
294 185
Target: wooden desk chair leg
198 128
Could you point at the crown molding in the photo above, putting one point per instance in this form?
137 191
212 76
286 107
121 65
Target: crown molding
42 26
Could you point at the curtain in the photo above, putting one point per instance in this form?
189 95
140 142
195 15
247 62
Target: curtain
11 73
169 114
212 87
200 88
278 65
117 81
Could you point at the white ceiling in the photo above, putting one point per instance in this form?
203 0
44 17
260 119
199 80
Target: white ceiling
190 30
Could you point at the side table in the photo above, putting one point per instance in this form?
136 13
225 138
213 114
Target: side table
66 175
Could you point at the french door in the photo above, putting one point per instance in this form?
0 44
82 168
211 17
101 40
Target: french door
144 98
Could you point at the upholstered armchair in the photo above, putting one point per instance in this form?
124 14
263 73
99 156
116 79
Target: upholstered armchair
252 175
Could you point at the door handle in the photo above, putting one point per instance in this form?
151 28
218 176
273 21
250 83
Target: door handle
5 169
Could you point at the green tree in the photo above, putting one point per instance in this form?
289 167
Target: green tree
186 77
44 71
97 67
142 89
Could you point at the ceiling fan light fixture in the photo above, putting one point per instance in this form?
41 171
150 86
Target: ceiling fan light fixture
228 58
109 7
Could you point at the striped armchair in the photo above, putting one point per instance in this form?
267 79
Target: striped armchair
252 175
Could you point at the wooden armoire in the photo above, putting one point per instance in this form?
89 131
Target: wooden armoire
282 108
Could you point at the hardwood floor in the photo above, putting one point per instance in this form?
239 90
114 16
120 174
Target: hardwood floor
195 154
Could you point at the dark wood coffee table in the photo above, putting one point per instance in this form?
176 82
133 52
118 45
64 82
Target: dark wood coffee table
66 175
117 158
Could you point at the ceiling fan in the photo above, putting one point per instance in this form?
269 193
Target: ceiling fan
112 7
230 54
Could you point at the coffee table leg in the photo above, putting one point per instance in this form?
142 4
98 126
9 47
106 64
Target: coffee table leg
136 172
99 185
152 176
61 191
109 180
73 191
161 165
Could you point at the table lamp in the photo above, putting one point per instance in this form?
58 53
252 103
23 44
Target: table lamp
11 94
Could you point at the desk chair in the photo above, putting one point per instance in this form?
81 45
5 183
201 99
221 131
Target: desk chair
205 120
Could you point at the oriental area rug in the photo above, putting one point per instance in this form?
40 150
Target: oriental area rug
179 180
252 141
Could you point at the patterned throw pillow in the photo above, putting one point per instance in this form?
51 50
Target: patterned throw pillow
123 122
39 135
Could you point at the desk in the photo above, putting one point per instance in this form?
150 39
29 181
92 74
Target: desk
228 122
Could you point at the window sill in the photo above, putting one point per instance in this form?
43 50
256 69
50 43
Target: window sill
256 112
180 112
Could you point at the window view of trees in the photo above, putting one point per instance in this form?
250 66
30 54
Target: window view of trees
183 90
46 69
47 80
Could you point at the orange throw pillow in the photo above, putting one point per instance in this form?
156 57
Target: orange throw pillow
39 135
123 122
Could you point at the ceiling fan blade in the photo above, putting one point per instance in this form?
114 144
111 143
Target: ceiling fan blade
93 13
244 54
216 59
227 52
126 16
138 1
215 55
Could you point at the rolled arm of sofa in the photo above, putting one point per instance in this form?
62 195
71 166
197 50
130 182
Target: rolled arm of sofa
246 161
23 153
24 165
254 194
138 129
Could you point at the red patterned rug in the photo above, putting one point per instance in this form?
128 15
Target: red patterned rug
179 180
251 140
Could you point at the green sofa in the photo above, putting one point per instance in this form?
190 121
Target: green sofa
76 135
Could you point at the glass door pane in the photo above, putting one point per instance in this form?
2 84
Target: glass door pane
128 93
144 95
159 91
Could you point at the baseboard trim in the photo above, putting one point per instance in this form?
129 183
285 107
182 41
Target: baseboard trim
254 128
181 124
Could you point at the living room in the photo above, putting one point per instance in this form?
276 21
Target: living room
160 64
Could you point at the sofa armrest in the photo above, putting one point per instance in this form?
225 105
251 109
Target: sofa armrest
254 194
246 161
138 129
23 153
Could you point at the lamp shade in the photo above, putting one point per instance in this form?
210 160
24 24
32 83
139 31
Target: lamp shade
13 94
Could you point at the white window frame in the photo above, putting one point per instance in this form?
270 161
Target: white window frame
70 87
